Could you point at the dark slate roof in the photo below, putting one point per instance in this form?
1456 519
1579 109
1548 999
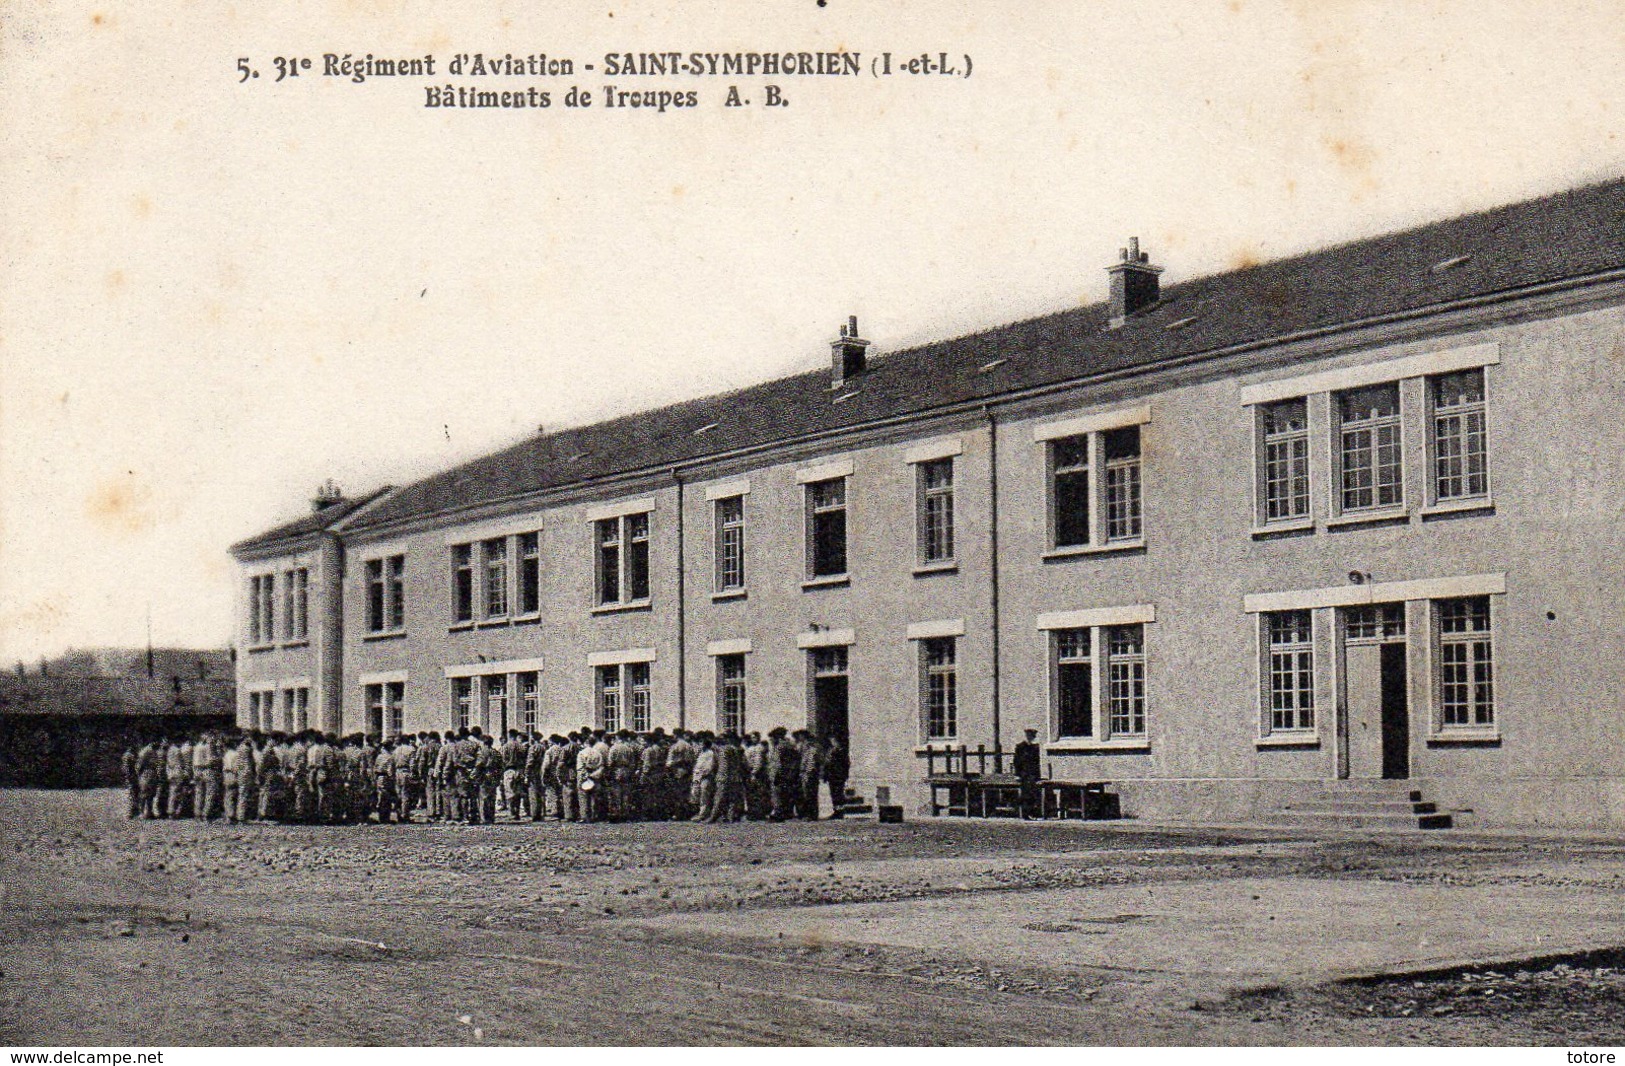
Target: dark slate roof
1566 236
315 522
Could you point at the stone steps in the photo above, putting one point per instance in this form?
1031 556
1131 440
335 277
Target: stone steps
1362 804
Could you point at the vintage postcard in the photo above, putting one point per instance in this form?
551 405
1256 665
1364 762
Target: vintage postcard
816 522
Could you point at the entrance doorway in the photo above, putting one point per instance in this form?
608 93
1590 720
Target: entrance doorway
827 697
1377 705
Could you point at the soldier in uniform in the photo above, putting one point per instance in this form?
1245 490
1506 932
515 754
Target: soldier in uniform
535 789
591 768
652 777
132 780
812 773
730 788
758 801
837 767
513 774
273 785
230 774
248 779
680 775
426 770
402 758
783 773
488 767
178 771
624 762
703 791
448 773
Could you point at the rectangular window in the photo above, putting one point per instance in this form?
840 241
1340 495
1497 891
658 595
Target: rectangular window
1369 447
295 709
1466 664
262 609
1460 456
1374 622
495 552
939 688
935 531
301 604
1291 670
623 559
1069 462
530 573
609 560
530 701
640 706
637 556
826 528
1125 677
1286 460
829 662
375 709
609 697
495 688
1122 448
386 594
462 701
730 543
394 708
731 693
1074 683
462 583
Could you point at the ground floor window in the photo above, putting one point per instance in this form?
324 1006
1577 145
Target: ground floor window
296 709
462 701
1099 682
530 704
731 693
385 708
939 687
1466 663
1289 636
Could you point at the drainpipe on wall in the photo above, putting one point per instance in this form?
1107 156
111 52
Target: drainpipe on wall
993 571
682 629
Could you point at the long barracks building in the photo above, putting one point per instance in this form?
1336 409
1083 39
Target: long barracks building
1356 514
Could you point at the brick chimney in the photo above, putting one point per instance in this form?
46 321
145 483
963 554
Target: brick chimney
1134 283
326 496
848 354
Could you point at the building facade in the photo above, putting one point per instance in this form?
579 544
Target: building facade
1351 515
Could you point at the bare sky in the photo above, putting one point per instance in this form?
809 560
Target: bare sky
213 295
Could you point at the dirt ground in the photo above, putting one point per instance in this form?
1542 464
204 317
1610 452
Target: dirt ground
932 932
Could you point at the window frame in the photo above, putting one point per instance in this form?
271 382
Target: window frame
1299 726
626 538
728 545
1294 440
818 515
383 584
733 697
1435 414
1377 426
609 692
1483 718
262 614
938 661
462 702
1111 493
935 514
1097 663
495 578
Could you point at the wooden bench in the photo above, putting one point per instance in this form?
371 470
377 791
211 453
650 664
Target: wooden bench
1083 800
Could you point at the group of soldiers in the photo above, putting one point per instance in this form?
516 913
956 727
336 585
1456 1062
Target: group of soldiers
469 776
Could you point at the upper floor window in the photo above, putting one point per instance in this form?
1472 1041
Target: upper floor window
1069 459
730 543
262 609
623 558
1466 664
1291 666
1460 450
494 578
935 522
826 528
462 583
1122 448
1285 466
296 603
530 573
386 594
495 551
1369 463
939 688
